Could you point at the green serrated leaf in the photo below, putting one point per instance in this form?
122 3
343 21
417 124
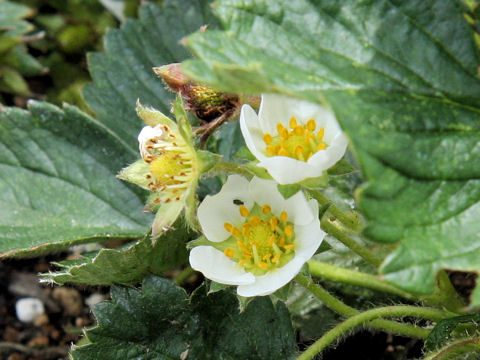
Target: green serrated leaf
12 82
11 15
126 265
7 43
57 182
26 64
382 66
161 322
441 332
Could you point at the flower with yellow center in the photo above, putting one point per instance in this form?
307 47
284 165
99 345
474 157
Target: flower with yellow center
169 166
293 139
256 239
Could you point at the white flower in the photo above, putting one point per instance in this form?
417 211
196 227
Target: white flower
169 167
257 239
293 139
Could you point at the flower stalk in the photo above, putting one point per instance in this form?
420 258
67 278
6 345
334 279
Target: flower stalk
346 276
366 254
339 307
350 220
365 317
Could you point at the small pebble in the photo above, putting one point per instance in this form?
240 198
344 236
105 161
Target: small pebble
28 309
94 299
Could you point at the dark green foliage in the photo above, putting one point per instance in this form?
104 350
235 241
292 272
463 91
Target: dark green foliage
128 264
58 184
161 322
403 88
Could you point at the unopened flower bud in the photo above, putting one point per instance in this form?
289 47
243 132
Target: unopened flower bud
207 104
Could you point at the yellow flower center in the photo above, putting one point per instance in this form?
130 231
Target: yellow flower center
172 162
299 142
165 166
263 242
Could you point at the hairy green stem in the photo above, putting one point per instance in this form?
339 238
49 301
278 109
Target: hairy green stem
183 275
444 296
339 307
455 350
365 317
346 276
351 220
366 254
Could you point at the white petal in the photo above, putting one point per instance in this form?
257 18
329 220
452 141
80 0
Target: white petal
324 159
218 209
298 209
276 109
286 170
251 131
309 237
146 134
273 280
214 265
265 192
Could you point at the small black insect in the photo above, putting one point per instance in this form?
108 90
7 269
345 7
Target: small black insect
271 321
238 202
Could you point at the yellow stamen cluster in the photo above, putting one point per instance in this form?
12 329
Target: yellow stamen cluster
300 142
263 241
172 163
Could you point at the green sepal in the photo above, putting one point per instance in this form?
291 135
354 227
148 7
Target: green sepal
165 217
215 287
324 246
317 182
243 302
342 167
221 245
207 160
135 173
154 117
182 120
255 170
245 153
191 205
289 190
282 293
202 240
150 204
